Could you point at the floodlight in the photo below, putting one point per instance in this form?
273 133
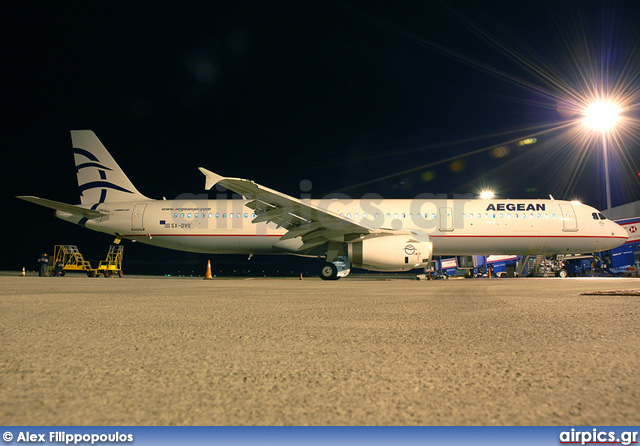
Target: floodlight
602 115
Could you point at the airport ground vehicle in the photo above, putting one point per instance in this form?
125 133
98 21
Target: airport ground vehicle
478 266
621 261
68 258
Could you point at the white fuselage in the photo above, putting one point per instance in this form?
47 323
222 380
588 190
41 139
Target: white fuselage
455 226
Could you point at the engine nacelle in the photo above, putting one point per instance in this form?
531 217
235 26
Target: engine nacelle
391 253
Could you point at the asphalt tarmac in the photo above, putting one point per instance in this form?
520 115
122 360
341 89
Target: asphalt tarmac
158 351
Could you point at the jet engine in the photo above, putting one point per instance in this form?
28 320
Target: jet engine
399 252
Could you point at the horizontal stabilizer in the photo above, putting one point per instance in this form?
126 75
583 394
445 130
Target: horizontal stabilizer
71 209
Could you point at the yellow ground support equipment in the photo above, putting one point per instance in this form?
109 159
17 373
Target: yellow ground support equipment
113 263
68 258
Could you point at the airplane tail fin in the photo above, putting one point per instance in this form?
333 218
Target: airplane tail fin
99 177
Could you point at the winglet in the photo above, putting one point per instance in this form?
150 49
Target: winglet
211 178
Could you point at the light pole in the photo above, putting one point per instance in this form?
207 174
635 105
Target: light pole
606 173
602 116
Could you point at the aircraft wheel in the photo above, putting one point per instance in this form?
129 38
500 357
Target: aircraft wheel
328 271
563 273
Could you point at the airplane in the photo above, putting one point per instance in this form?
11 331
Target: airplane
369 233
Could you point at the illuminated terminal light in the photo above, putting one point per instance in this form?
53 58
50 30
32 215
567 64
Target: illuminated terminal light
487 195
528 141
601 115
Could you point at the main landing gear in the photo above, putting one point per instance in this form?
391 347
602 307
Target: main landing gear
328 271
340 267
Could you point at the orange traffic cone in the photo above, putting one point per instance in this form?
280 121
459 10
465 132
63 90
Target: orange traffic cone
23 272
208 276
301 276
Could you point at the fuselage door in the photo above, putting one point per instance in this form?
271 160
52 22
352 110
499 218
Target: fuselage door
136 217
569 221
446 219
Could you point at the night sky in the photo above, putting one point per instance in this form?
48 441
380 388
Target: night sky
397 98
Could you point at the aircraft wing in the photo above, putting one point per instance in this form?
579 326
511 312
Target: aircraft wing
71 209
314 225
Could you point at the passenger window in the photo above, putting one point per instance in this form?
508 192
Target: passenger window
182 215
175 215
224 215
388 215
403 215
553 215
217 215
196 215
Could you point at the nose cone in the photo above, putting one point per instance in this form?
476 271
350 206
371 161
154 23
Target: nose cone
619 235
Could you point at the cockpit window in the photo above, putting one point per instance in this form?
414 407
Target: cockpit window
602 217
598 216
595 216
